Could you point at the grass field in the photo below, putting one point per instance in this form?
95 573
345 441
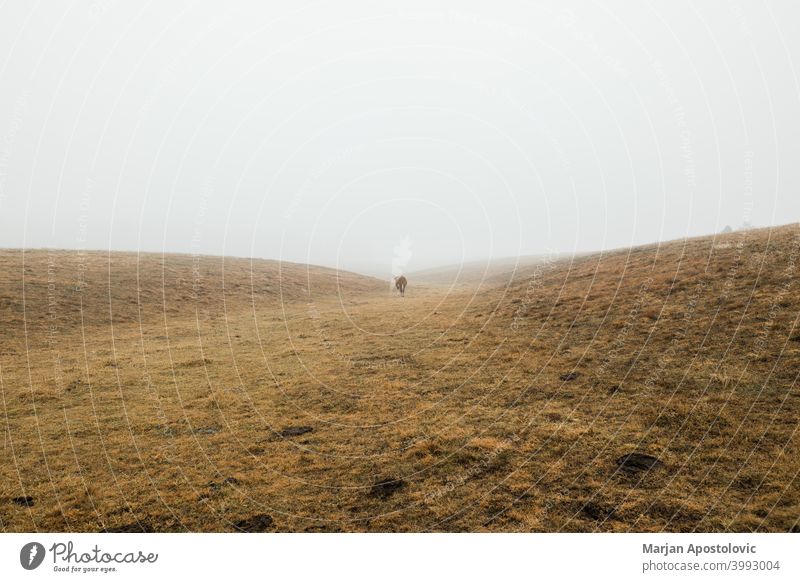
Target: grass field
180 393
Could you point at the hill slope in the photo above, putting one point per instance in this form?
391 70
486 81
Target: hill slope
648 389
489 271
72 289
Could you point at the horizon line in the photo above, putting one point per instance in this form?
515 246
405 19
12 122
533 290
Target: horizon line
544 253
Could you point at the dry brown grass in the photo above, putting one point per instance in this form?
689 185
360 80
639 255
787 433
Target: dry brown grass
153 393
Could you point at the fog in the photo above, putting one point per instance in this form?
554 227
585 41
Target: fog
383 136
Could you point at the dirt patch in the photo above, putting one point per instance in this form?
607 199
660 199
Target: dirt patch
216 486
293 431
597 511
255 524
385 488
638 462
136 527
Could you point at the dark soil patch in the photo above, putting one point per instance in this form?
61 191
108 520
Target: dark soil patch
385 488
597 511
215 486
570 376
26 501
136 527
255 524
322 529
295 431
638 462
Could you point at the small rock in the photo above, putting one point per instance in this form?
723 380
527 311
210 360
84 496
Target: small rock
636 462
569 377
207 430
26 501
295 431
255 524
385 488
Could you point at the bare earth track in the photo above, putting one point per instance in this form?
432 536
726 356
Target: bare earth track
179 393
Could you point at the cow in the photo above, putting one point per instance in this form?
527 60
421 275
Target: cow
400 283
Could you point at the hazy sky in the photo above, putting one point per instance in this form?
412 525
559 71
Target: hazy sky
375 134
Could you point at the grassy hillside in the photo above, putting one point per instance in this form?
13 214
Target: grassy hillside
253 405
486 272
70 288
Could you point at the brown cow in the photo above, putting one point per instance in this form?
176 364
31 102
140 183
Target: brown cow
400 282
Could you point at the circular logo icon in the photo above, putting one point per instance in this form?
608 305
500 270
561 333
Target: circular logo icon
31 555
